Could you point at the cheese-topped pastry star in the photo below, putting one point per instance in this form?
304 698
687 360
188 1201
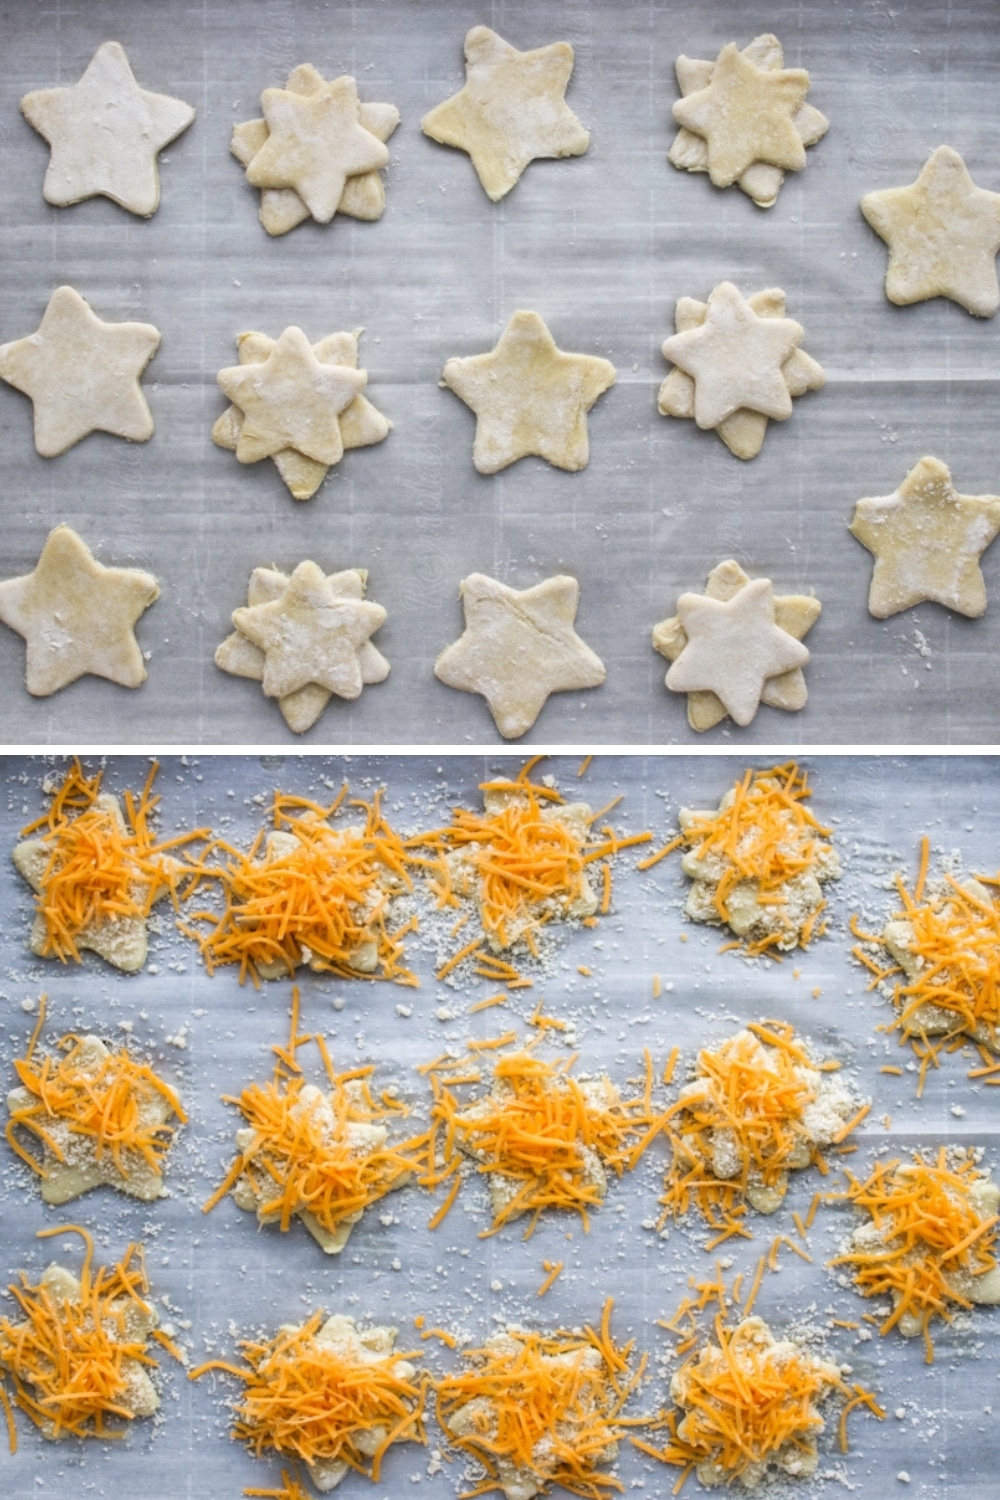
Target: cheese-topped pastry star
733 647
927 540
77 616
315 143
81 374
746 113
291 399
762 177
518 647
529 397
511 110
943 234
105 133
312 633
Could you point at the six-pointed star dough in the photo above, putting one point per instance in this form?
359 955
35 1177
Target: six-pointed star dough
518 647
529 397
291 400
77 616
796 613
761 180
735 359
105 133
281 209
81 374
926 540
943 234
511 110
315 143
746 114
733 647
238 655
312 633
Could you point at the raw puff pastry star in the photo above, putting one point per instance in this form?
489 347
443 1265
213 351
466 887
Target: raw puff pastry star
77 616
282 207
744 118
297 419
511 110
927 540
738 364
529 397
81 374
105 133
726 646
518 647
794 614
240 656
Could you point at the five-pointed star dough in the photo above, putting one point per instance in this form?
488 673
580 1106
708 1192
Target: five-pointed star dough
291 399
281 209
761 180
238 654
119 940
529 397
105 133
733 647
511 110
315 143
360 423
77 616
312 633
518 647
81 374
943 234
794 613
926 540
743 431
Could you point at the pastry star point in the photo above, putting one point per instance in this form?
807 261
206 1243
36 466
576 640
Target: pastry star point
77 616
510 111
927 541
519 645
105 133
943 234
529 397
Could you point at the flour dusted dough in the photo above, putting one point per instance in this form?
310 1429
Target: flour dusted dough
81 374
927 540
518 647
511 110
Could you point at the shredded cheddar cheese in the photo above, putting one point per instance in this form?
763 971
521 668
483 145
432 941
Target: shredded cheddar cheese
930 1239
759 1108
542 1409
78 1359
331 1396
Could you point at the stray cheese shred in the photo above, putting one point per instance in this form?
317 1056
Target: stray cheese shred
541 1409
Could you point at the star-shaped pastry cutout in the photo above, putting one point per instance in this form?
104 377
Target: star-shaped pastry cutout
281 209
794 613
943 234
291 399
518 647
733 647
315 143
81 374
762 178
360 423
311 633
511 110
238 654
728 360
927 540
529 397
77 616
105 133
